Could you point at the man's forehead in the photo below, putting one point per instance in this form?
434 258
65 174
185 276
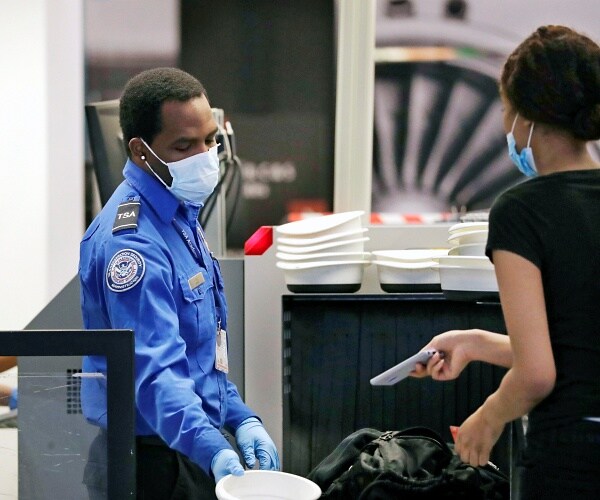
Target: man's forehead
194 107
195 114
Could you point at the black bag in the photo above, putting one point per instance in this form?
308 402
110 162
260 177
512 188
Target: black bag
414 463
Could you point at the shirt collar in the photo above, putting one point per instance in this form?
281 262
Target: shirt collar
165 204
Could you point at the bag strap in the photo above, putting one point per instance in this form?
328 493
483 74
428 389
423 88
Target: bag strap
417 431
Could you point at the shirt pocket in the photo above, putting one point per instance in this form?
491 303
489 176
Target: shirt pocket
195 285
197 319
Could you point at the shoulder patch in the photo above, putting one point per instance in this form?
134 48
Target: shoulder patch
127 215
125 270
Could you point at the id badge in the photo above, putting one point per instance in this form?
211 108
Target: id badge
221 362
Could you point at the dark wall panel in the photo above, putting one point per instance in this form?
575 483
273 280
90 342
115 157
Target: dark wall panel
270 64
261 56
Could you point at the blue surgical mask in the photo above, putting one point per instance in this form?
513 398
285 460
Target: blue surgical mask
524 160
194 177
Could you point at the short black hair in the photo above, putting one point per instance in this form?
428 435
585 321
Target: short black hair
141 103
553 77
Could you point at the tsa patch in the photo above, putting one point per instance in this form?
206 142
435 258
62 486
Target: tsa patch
125 270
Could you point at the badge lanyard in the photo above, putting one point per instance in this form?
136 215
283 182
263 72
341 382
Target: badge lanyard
201 233
191 244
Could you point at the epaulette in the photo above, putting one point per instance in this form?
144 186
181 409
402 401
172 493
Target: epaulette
127 214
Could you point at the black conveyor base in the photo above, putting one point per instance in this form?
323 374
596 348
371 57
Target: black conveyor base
334 344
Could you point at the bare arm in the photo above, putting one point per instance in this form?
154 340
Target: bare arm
532 374
490 347
533 371
460 347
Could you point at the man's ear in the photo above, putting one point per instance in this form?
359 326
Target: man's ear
136 147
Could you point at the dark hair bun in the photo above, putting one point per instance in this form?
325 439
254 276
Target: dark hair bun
553 77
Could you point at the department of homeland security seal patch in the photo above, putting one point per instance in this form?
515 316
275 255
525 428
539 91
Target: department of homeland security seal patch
125 270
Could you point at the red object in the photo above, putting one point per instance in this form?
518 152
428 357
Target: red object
454 432
376 218
413 218
307 205
260 241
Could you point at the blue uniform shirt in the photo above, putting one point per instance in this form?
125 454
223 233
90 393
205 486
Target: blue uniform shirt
158 279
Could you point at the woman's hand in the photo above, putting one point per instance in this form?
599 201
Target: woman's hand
477 436
451 357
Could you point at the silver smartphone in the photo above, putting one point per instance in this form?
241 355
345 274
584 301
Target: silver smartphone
401 370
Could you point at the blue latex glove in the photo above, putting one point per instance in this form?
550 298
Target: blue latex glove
13 399
253 441
226 462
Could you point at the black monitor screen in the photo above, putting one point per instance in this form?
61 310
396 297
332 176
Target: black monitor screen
109 151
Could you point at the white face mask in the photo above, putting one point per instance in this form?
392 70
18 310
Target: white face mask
194 177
